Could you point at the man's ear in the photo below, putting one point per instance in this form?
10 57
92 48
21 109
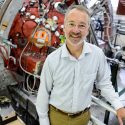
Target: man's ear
88 31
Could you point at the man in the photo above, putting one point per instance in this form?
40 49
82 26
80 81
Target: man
69 73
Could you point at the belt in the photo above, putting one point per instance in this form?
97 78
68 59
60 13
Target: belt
70 114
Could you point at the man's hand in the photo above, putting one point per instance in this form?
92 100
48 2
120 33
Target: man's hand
121 115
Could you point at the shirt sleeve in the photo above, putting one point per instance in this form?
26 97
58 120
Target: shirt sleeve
44 121
104 82
42 102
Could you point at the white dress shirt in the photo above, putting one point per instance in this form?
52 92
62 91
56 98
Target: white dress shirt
67 82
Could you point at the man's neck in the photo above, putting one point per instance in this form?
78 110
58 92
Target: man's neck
75 51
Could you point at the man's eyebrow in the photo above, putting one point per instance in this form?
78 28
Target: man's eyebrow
83 23
74 21
71 21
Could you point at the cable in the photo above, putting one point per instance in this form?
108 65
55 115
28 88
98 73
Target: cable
27 88
34 84
5 56
20 58
1 46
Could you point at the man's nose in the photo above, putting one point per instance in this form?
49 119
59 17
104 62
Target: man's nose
76 29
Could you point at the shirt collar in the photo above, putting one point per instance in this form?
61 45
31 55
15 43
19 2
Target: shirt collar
86 49
65 52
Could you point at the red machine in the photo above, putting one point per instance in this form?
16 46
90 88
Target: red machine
37 27
121 7
33 30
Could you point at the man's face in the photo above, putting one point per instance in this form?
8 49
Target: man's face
76 27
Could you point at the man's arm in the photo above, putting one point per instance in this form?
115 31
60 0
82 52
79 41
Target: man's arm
42 103
121 115
107 90
104 82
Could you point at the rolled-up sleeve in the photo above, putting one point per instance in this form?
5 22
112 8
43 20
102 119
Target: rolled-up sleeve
42 102
104 82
